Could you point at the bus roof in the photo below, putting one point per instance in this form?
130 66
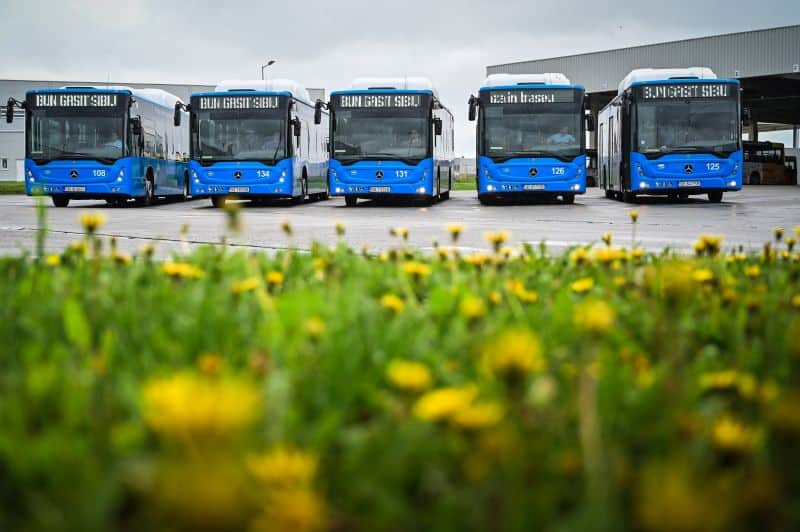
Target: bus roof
545 79
664 74
404 83
269 85
156 96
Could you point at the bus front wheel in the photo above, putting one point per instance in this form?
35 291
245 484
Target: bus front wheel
715 196
568 199
350 201
218 201
628 197
60 201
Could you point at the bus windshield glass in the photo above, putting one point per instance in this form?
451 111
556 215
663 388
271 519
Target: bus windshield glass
240 135
75 133
532 123
381 128
688 123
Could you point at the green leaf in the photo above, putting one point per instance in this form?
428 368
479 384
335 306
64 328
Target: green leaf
76 325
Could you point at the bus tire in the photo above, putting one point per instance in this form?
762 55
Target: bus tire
60 201
186 195
628 197
715 196
149 190
351 201
444 195
609 194
568 199
486 199
301 199
218 201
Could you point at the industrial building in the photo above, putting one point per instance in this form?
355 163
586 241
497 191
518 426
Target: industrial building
766 62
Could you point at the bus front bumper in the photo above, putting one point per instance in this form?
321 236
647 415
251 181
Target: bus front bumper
684 185
545 187
79 191
381 190
277 189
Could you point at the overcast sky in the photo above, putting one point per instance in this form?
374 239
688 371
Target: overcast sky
326 44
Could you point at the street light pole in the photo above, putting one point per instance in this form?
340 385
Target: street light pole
269 63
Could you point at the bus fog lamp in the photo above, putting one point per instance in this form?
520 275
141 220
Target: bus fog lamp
32 180
732 184
490 188
576 187
642 184
421 190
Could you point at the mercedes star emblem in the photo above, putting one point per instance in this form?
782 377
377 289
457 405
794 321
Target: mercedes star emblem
688 168
237 174
73 174
533 172
379 174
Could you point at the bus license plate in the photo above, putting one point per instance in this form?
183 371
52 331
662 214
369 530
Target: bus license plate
533 187
74 189
239 189
380 189
689 184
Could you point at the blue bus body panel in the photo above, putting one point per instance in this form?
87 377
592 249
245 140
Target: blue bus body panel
242 177
515 175
397 178
686 172
124 178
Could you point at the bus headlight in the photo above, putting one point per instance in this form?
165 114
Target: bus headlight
642 184
490 188
421 190
32 180
732 184
30 174
194 174
576 187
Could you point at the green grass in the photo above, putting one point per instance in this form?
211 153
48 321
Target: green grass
465 182
12 187
603 389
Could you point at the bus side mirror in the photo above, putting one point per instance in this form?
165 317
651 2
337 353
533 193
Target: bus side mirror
590 126
318 113
136 125
747 117
177 117
473 108
437 126
296 127
10 111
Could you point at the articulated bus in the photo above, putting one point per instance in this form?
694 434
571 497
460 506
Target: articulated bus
257 140
530 136
390 137
672 132
111 143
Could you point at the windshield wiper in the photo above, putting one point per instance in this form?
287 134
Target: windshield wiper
530 155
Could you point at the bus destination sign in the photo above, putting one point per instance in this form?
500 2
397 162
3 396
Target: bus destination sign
525 97
73 99
379 101
684 91
225 103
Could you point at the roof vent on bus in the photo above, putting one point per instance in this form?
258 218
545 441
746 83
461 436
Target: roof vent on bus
531 83
684 77
381 88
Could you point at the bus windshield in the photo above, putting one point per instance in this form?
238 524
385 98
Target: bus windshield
75 134
381 134
687 126
240 135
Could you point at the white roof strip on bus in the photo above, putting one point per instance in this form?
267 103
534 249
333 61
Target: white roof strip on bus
158 96
266 85
404 83
661 74
548 78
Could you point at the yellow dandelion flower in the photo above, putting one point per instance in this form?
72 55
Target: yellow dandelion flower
753 271
472 307
702 275
122 258
778 232
399 232
185 404
594 316
286 227
298 510
477 259
609 255
637 254
497 238
607 238
443 403
478 416
634 215
245 285
495 297
147 250
514 352
91 222
283 468
416 270
719 380
393 303
78 247
709 244
315 327
53 260
580 256
409 376
340 228
182 270
791 242
454 230
210 364
581 286
796 301
275 278
733 436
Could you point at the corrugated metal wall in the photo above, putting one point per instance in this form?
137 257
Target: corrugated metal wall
748 54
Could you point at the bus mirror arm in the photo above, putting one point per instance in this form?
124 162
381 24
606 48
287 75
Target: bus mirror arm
10 104
318 111
136 125
296 126
473 108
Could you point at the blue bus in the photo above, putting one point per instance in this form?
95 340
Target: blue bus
671 132
530 135
111 143
390 137
256 140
